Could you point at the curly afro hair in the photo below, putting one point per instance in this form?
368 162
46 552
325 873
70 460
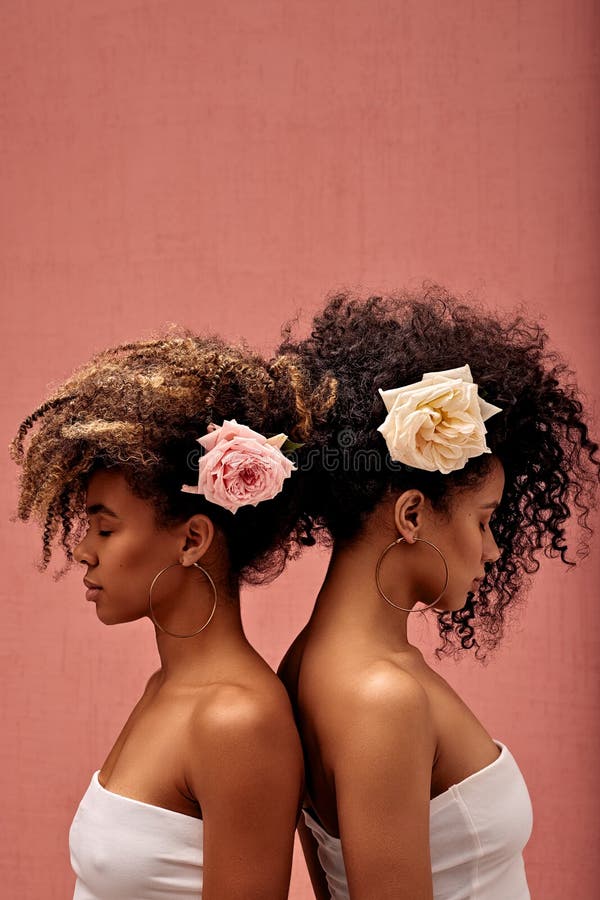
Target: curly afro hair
541 436
140 407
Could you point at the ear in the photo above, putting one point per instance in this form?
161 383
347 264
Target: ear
198 535
408 514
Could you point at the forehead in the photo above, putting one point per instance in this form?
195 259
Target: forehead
110 489
495 479
488 489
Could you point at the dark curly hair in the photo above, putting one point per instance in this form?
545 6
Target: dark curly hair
541 436
140 407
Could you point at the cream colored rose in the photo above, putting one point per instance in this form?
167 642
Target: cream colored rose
437 423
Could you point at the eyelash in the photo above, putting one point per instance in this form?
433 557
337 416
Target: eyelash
104 533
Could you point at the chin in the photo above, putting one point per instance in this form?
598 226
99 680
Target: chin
110 618
106 618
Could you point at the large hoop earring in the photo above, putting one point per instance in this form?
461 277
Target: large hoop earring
402 540
212 612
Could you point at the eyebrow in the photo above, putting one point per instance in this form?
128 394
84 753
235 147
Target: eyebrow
491 505
100 508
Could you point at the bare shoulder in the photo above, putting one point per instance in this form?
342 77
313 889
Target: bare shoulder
238 730
233 718
387 682
381 687
382 700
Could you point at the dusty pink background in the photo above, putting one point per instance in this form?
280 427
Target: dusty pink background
222 165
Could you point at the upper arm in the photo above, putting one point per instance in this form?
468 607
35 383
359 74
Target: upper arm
383 778
248 781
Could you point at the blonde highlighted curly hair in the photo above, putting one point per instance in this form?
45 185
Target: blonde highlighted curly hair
140 408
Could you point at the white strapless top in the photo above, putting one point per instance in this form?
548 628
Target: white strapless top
123 849
477 831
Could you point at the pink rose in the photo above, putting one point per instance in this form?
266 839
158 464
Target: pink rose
240 467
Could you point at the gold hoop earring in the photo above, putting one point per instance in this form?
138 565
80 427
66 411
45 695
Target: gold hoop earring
402 540
212 612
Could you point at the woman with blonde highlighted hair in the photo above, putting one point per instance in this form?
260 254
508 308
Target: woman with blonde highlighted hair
455 453
161 469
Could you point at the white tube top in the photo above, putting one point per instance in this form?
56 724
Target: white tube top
477 831
123 849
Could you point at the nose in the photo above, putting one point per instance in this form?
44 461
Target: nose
83 553
491 551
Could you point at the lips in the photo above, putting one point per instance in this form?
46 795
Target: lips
92 589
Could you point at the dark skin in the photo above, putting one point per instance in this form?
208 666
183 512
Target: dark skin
383 733
213 735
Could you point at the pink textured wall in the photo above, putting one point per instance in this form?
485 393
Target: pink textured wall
222 164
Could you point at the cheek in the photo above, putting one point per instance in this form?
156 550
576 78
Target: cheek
462 548
134 562
432 561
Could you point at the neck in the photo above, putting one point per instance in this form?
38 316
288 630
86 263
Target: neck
349 598
210 655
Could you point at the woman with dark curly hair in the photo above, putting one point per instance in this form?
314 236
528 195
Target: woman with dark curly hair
200 793
454 453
